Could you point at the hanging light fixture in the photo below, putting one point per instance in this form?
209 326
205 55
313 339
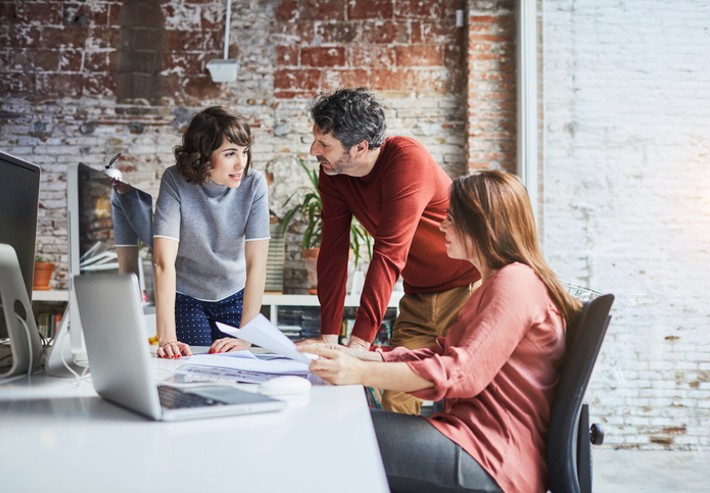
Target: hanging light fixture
224 70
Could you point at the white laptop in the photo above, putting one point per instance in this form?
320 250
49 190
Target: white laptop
112 317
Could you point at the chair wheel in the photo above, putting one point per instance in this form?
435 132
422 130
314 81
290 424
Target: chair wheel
596 434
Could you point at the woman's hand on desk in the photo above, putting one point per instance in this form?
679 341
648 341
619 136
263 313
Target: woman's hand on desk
228 344
333 365
355 351
342 365
173 350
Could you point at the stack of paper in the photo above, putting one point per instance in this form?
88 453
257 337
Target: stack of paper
246 366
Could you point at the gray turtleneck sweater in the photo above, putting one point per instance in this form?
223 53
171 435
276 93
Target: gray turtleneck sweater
211 222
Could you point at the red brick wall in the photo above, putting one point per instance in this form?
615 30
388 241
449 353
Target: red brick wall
410 46
157 52
123 50
491 85
147 49
81 81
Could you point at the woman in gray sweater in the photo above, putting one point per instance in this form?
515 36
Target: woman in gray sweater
210 238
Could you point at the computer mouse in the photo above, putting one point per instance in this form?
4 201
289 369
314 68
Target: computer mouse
285 385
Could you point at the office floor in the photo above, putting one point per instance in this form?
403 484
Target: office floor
630 471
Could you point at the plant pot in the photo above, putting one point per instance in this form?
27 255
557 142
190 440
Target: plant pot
42 276
310 256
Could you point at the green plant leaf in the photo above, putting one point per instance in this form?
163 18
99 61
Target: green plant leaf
310 209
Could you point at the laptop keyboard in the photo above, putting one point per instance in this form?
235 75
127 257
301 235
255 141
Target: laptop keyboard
174 398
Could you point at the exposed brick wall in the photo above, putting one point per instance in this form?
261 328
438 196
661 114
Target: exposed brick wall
491 84
627 204
404 47
125 50
84 80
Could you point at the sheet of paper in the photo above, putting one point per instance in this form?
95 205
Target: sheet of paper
281 366
262 332
244 353
188 373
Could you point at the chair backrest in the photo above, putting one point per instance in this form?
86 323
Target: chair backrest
564 443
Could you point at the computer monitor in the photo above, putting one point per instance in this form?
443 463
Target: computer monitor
19 199
110 230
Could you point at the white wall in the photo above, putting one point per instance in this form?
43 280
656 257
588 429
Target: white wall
627 202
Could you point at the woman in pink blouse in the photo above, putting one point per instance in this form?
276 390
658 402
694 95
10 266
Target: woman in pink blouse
495 369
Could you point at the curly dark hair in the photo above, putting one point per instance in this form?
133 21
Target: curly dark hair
352 115
206 133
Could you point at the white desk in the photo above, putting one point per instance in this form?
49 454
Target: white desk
57 437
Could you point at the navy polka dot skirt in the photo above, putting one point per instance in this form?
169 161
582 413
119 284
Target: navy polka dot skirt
195 319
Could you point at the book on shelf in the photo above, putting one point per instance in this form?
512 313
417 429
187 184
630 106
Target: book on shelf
48 320
293 332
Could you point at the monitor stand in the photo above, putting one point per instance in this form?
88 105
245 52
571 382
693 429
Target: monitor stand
25 344
61 360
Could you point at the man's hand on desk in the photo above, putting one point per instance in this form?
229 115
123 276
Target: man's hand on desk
358 343
330 339
228 344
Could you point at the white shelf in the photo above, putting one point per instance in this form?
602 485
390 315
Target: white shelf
50 295
269 299
290 300
312 300
274 301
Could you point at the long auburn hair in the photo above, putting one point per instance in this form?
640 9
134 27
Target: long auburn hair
205 134
491 209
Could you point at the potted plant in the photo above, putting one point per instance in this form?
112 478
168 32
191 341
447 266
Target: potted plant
42 274
310 210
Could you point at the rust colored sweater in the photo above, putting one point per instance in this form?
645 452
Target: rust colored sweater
401 203
497 370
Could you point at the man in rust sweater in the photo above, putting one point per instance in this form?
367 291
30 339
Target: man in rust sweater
400 195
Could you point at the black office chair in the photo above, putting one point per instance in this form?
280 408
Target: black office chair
569 438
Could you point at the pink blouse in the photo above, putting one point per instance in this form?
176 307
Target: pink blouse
497 370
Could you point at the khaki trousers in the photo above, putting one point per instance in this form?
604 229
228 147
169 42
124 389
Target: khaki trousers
422 318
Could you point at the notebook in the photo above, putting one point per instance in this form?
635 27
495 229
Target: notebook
112 317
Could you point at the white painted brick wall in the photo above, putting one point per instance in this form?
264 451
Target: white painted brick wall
627 203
